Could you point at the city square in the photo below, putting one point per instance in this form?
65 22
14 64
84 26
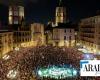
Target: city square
25 63
49 39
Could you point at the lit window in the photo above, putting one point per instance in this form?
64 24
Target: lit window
10 20
21 13
58 14
10 13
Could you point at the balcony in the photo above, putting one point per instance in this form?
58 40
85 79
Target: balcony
87 35
91 40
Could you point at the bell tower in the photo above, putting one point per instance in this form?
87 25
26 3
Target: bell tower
61 15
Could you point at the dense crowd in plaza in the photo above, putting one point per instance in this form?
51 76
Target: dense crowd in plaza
26 61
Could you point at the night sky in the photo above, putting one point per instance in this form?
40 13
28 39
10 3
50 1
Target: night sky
44 10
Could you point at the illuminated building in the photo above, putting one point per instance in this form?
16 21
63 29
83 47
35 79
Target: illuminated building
61 15
37 33
16 13
22 39
21 32
61 35
6 42
64 35
89 34
48 34
22 36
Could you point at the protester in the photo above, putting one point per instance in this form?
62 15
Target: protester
27 60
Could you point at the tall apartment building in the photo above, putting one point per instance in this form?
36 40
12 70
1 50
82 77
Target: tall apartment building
6 42
89 34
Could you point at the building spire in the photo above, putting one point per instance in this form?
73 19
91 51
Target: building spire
60 1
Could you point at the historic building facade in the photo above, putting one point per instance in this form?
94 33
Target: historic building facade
61 15
64 36
16 13
61 33
6 42
22 39
37 33
89 34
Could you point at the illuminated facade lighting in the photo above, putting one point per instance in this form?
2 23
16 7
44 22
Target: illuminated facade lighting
60 15
6 42
63 37
16 13
89 34
37 33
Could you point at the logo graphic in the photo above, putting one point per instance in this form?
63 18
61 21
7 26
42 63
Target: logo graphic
90 68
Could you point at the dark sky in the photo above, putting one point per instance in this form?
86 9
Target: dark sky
44 10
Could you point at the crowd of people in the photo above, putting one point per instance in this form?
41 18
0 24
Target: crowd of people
26 61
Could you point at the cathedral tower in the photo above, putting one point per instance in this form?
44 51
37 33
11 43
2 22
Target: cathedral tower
61 15
16 13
